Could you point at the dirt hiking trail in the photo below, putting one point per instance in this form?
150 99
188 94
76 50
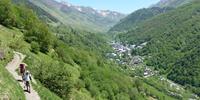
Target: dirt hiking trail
12 67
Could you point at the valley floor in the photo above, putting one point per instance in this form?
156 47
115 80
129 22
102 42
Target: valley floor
157 85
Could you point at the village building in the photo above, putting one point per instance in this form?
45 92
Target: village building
136 60
132 46
148 72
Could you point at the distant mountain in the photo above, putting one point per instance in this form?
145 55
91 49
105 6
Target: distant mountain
79 17
131 21
172 3
137 17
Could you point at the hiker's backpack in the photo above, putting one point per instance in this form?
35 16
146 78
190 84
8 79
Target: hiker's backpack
22 68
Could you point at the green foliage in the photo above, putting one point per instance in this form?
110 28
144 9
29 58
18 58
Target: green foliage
187 66
70 81
7 17
82 39
138 84
82 20
10 89
172 3
26 20
172 43
44 93
133 20
35 47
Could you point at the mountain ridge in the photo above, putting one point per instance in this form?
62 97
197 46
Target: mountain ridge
137 17
83 18
171 3
131 21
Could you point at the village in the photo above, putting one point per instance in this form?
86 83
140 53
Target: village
123 55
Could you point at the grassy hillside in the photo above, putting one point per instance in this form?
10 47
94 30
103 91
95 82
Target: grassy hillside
133 20
172 3
9 87
44 93
12 39
88 19
172 44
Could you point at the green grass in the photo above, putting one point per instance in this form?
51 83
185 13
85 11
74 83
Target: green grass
44 93
9 87
164 86
12 39
161 88
156 94
71 19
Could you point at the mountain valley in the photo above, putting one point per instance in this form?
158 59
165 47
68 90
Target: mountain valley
80 53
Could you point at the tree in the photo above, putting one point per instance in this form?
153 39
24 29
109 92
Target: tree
35 47
7 14
138 84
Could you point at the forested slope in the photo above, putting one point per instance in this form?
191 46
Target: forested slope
9 87
172 3
77 17
67 62
133 20
172 43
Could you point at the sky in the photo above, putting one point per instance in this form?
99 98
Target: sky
123 6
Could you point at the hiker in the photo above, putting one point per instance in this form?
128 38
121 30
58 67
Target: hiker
27 79
22 69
